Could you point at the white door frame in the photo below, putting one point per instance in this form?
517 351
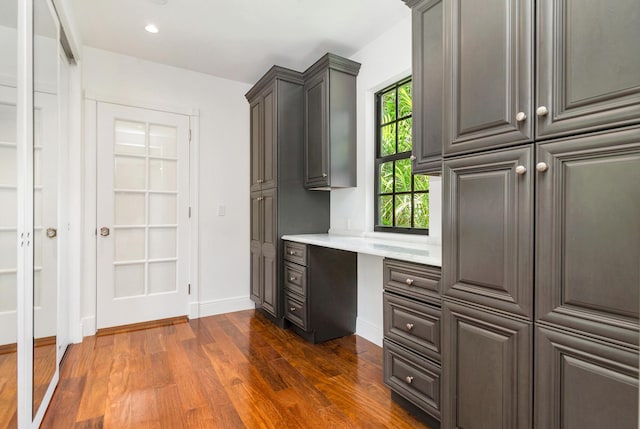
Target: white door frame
88 304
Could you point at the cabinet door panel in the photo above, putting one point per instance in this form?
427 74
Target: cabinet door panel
588 65
584 384
487 370
256 271
256 144
488 230
490 80
588 234
270 157
315 141
428 85
270 251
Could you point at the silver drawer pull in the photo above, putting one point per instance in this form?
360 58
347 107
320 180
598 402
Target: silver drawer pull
291 252
292 279
408 379
409 282
292 309
409 326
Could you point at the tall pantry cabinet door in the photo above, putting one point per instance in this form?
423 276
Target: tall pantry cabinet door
257 147
270 252
256 247
428 85
581 383
588 234
316 144
588 65
270 150
488 229
488 78
487 370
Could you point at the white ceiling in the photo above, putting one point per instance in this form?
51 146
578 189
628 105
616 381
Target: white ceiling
235 39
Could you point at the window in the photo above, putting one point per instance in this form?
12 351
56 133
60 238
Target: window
402 198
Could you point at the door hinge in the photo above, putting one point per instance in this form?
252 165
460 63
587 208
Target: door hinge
189 212
189 288
189 134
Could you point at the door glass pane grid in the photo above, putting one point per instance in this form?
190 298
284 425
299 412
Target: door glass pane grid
145 243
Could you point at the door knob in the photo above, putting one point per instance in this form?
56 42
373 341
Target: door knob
104 231
542 111
521 116
52 232
542 167
521 169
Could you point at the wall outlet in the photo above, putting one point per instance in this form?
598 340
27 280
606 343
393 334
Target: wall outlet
222 210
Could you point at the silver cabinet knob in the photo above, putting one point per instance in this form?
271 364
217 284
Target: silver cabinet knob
292 279
521 169
324 175
521 116
542 167
104 231
408 379
291 252
292 309
542 111
412 157
409 326
52 232
409 282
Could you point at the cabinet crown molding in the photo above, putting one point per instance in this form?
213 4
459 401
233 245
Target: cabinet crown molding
411 3
275 72
334 62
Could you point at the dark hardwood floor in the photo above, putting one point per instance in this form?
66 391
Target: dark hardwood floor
230 371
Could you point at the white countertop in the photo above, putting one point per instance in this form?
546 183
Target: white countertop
428 254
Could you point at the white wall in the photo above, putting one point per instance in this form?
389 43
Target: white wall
384 61
223 279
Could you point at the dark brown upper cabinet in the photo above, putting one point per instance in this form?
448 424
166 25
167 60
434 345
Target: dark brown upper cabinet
487 254
488 94
588 234
428 38
330 123
487 370
264 161
588 66
582 383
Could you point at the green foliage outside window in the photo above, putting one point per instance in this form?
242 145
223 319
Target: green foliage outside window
402 199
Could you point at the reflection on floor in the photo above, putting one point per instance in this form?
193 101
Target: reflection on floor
229 371
44 366
8 390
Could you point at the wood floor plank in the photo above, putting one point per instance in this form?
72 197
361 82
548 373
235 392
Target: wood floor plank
230 371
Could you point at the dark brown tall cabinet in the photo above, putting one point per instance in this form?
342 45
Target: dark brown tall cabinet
541 189
279 202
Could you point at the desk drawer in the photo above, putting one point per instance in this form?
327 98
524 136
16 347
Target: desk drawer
295 278
295 310
413 324
295 252
413 280
412 377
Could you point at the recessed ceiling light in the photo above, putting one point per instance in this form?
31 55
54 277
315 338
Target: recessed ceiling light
151 28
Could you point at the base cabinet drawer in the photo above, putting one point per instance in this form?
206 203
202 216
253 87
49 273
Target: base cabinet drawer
412 324
295 310
295 278
412 377
413 280
295 252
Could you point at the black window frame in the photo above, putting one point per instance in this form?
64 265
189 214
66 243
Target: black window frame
394 157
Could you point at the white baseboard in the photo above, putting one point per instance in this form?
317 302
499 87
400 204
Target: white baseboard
369 331
221 306
88 326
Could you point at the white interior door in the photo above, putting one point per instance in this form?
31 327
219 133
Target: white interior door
143 191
